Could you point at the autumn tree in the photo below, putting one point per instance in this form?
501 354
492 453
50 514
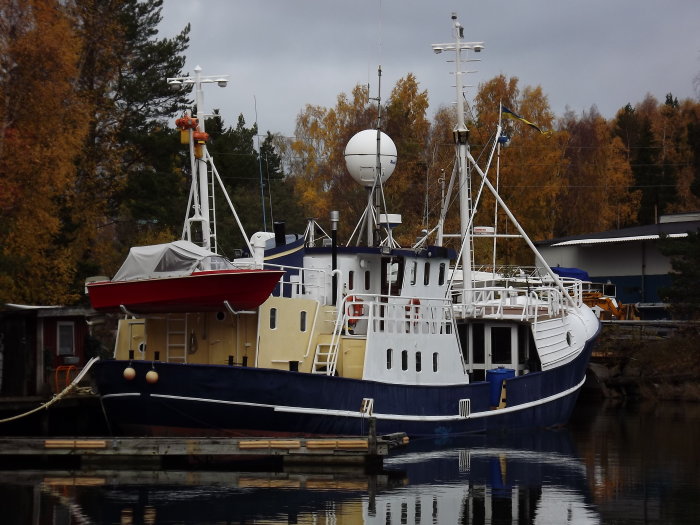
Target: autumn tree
597 194
531 167
321 180
43 126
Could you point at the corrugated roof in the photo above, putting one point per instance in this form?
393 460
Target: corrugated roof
578 242
636 233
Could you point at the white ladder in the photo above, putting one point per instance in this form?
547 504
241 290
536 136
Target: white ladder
176 338
325 358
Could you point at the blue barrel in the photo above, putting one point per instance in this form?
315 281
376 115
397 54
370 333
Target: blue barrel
495 377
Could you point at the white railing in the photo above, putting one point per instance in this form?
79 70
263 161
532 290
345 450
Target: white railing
300 285
361 315
524 304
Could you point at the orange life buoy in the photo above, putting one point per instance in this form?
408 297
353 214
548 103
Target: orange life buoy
200 137
413 308
354 309
186 122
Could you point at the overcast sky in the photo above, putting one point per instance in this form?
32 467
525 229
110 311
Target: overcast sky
284 54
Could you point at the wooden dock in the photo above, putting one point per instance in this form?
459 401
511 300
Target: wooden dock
157 451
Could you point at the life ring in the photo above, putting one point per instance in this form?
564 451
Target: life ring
413 309
354 309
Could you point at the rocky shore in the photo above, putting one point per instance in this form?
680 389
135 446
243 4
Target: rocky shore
652 362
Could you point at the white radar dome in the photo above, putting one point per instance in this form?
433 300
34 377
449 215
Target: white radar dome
361 156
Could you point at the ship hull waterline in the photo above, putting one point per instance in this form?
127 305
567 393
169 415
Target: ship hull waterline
207 400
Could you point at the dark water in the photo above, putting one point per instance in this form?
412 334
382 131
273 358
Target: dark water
613 464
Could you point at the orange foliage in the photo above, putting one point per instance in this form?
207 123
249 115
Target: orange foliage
44 124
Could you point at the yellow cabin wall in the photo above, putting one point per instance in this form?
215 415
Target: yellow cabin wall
210 337
213 337
351 359
285 341
130 335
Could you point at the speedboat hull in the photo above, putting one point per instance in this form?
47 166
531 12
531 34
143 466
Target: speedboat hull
200 291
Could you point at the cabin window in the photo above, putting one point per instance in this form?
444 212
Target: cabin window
413 271
441 275
351 280
435 361
404 360
65 337
302 321
391 275
273 318
368 280
523 336
418 362
426 274
389 356
478 354
501 345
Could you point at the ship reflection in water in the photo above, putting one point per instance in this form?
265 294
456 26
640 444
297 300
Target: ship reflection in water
534 479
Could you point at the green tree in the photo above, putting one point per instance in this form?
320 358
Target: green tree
683 294
243 169
123 69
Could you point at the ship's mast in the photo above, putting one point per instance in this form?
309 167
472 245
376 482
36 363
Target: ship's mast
202 211
461 138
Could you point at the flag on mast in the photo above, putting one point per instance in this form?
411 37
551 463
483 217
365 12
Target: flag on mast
512 114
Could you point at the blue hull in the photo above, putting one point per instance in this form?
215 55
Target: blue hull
190 399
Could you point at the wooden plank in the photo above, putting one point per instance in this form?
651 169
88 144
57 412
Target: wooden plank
321 443
353 443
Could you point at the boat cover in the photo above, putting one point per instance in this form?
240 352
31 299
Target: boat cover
576 273
171 259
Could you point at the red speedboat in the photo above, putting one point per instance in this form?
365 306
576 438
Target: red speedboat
181 277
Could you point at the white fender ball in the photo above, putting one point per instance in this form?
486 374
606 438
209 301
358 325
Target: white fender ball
151 377
129 373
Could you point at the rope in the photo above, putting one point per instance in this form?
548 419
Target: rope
60 395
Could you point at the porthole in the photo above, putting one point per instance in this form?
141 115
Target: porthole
569 338
220 316
404 360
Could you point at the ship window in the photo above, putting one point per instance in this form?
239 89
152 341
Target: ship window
418 362
368 280
435 361
426 274
302 321
404 360
523 333
413 271
273 318
389 356
500 345
65 337
351 280
478 343
441 275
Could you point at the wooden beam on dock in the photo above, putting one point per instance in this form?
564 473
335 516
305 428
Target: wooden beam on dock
296 450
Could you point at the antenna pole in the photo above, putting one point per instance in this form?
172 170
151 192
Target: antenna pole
461 138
